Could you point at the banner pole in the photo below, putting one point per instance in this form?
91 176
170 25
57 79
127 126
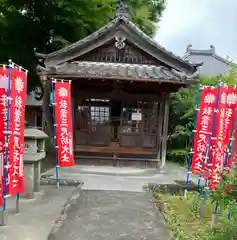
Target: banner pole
7 143
191 151
206 157
210 152
227 159
54 134
214 215
18 195
205 191
195 198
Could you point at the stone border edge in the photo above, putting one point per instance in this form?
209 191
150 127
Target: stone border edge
67 206
50 180
158 204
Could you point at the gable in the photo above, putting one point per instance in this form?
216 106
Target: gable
143 51
128 54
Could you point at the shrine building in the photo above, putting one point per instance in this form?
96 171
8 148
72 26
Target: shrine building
121 81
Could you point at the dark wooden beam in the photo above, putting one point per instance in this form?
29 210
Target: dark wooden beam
119 96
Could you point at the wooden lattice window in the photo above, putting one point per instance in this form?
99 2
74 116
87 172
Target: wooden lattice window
140 117
128 122
99 115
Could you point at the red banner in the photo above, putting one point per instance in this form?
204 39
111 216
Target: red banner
17 122
231 116
233 158
203 129
63 119
15 172
3 120
223 131
217 156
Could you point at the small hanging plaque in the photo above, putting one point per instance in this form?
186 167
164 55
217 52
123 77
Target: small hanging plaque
136 116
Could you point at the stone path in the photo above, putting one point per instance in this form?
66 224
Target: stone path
113 204
113 215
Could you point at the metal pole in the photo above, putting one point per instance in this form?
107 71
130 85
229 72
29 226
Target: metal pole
7 145
210 152
54 133
191 151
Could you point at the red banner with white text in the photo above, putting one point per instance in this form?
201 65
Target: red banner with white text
217 156
203 130
17 122
223 131
63 119
3 120
15 133
233 157
230 122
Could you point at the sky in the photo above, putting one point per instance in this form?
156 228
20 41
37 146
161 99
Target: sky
201 23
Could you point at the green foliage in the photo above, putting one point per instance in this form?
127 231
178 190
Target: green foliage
182 112
227 189
228 230
182 117
185 223
48 25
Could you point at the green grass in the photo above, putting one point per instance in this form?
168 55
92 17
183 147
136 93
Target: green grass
186 223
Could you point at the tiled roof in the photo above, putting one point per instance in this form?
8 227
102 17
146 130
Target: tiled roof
207 52
213 64
111 25
104 70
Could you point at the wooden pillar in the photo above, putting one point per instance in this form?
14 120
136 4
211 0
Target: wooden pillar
165 133
159 131
73 119
73 109
46 83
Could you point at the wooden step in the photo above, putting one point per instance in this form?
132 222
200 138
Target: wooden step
115 149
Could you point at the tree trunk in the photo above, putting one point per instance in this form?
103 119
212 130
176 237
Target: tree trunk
46 106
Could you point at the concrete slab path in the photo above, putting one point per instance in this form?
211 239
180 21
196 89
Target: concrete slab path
37 216
120 178
113 204
113 215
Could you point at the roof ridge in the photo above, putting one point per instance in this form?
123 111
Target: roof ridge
160 47
208 52
107 27
121 10
218 57
75 44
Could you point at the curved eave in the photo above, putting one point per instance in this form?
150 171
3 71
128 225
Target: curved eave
162 49
126 72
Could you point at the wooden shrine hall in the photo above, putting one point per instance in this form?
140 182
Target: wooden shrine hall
121 81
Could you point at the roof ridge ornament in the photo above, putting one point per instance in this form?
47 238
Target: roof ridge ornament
213 49
121 10
188 49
